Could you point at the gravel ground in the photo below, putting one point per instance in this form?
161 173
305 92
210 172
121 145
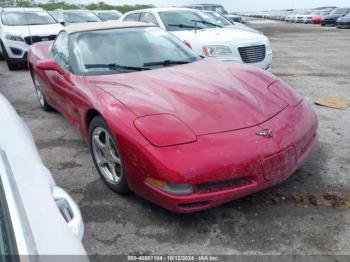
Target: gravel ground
309 214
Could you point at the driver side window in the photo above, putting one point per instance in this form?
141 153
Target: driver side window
60 50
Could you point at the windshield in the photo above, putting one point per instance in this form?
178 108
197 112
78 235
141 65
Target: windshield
339 11
216 8
183 20
106 16
217 18
13 18
125 50
80 17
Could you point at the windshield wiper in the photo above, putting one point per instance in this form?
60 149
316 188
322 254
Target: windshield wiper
206 23
185 26
115 67
167 62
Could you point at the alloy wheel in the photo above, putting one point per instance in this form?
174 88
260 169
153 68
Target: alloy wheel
106 155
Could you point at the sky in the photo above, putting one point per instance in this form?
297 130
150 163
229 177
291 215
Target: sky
231 5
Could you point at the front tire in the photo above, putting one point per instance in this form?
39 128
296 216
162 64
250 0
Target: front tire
106 156
11 65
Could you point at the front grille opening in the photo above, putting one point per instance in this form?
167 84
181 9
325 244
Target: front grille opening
194 204
34 39
16 51
252 54
221 185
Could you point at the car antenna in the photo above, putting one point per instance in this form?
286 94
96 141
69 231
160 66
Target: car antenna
195 26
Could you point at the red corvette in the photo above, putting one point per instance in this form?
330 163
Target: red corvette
317 18
184 132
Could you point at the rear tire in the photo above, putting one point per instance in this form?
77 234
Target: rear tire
40 95
105 154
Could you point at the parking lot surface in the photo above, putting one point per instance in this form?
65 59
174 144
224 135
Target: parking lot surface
307 214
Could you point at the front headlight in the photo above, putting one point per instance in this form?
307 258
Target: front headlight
14 37
268 46
217 50
164 130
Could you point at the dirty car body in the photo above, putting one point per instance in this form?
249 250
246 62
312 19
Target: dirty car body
191 135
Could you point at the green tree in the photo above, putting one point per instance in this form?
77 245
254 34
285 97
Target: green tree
7 3
58 4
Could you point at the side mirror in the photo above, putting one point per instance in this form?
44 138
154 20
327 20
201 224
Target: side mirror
62 23
49 64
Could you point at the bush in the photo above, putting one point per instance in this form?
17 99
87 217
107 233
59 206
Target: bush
52 5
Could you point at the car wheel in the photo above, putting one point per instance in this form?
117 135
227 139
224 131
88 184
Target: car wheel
40 95
11 65
106 156
322 24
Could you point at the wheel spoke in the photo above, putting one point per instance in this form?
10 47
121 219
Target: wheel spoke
99 144
108 141
115 158
111 167
102 161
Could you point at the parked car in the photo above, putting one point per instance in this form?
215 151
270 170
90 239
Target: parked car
165 122
207 38
299 17
292 16
108 15
208 7
332 18
19 28
235 18
318 17
215 17
66 17
343 22
308 17
37 217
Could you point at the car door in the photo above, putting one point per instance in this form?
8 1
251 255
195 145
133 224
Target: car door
60 82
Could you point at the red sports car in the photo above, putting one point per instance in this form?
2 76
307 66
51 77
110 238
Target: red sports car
317 18
184 132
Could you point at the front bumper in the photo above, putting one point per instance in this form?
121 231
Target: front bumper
343 24
214 162
329 22
16 50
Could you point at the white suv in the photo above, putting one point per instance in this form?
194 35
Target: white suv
21 27
207 38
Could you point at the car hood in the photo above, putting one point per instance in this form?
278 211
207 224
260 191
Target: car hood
332 16
208 96
34 30
217 35
344 19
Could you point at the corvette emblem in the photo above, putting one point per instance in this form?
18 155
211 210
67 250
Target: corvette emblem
267 133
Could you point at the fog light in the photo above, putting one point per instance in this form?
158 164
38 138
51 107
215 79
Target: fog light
176 189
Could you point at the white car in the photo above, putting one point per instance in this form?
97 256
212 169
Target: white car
74 16
108 15
207 38
21 27
36 216
225 22
301 17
